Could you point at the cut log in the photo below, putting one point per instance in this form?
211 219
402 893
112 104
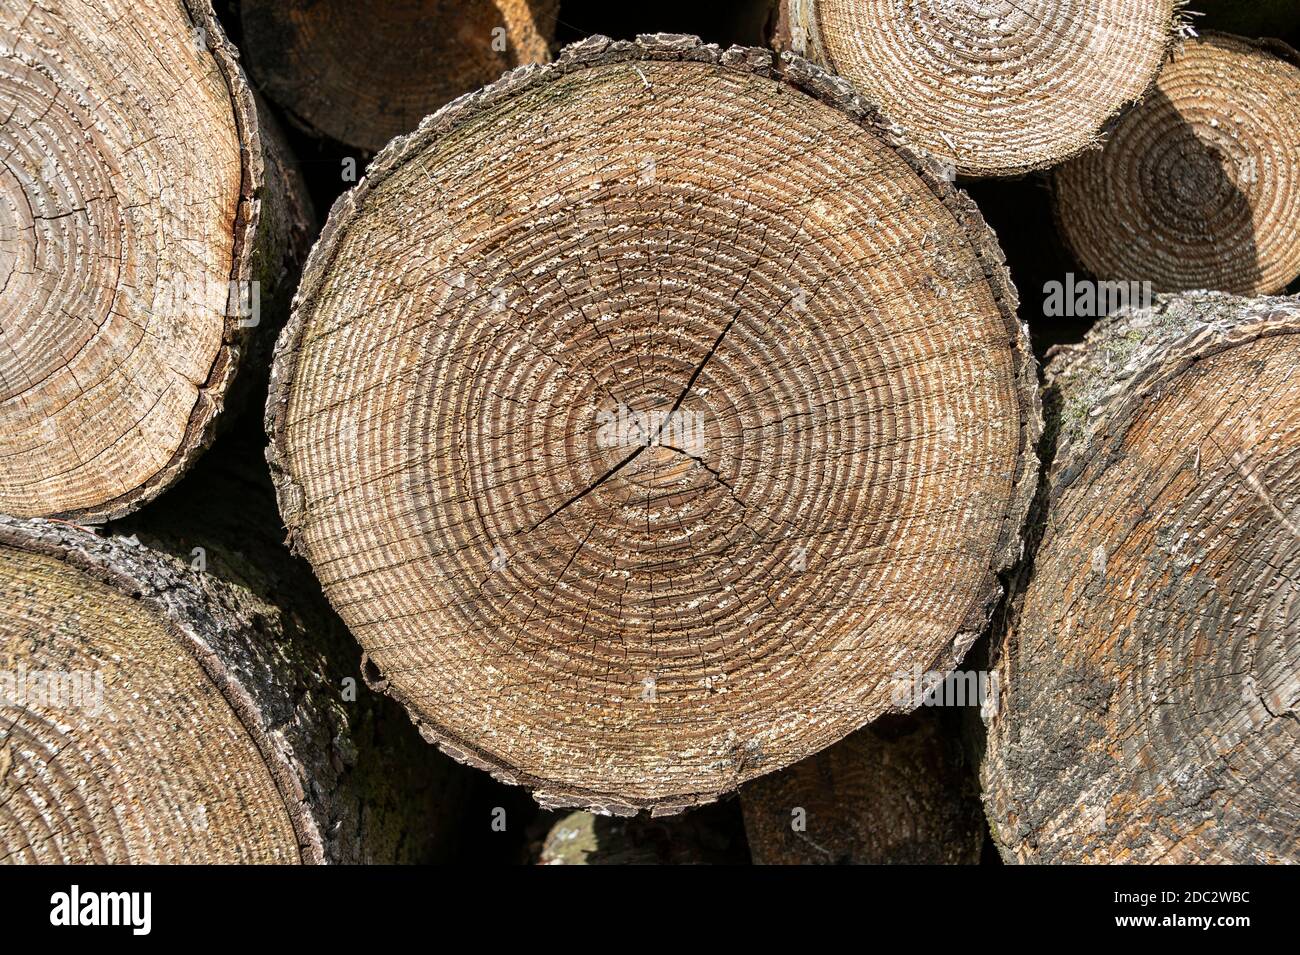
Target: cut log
1199 187
147 228
705 836
1149 689
900 792
186 701
645 414
364 71
994 89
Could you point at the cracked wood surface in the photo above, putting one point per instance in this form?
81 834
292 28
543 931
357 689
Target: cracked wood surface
1149 672
136 185
223 731
364 71
719 237
995 89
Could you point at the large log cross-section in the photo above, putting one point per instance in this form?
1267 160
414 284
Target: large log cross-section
646 413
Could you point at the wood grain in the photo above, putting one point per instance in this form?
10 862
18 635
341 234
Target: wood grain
230 723
1149 671
993 88
660 227
140 199
364 71
1199 187
899 792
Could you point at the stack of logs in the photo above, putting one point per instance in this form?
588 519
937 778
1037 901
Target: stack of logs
654 423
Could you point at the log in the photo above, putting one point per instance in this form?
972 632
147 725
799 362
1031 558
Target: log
200 711
364 71
644 413
900 792
995 89
1148 676
1199 187
704 836
148 228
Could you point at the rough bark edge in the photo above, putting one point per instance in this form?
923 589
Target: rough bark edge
1093 392
194 617
599 51
387 796
1263 45
270 236
1102 382
1178 26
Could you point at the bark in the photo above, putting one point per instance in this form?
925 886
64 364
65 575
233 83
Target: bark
225 728
1199 187
364 71
645 413
900 792
705 836
1148 671
141 199
990 95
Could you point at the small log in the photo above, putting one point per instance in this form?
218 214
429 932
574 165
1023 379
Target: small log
1199 187
901 791
1149 690
205 707
149 227
994 89
364 71
646 413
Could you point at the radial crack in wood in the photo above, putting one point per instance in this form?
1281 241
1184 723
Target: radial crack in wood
148 227
645 413
992 87
1199 187
1149 687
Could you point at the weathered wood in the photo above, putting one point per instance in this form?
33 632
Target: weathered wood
1199 187
1148 675
901 791
364 71
218 724
616 606
144 207
993 89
